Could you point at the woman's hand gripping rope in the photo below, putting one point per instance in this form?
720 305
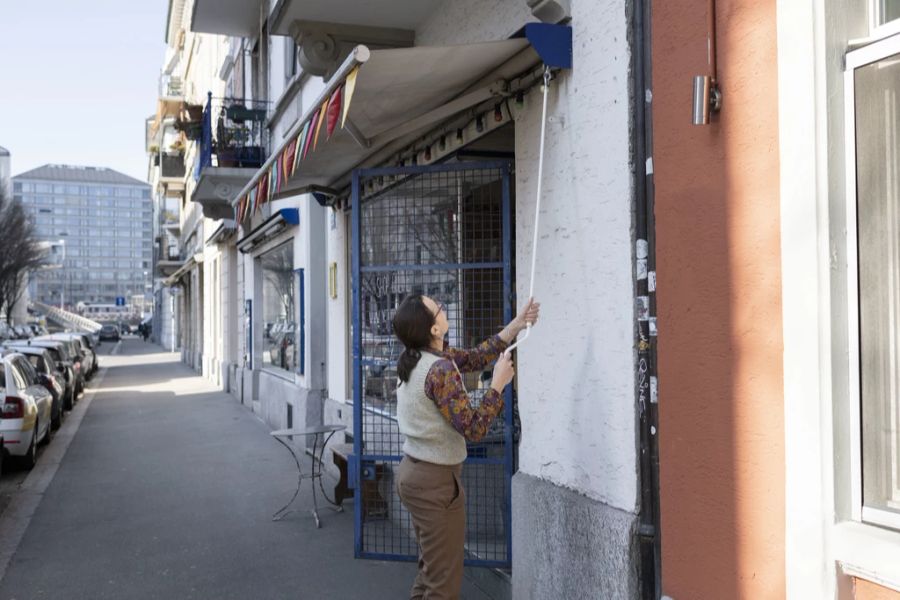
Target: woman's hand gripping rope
526 319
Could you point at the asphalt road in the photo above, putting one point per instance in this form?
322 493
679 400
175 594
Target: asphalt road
160 486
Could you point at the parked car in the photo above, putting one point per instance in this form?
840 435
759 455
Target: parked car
47 375
61 362
37 329
88 356
80 359
6 331
92 343
67 354
25 417
110 332
23 332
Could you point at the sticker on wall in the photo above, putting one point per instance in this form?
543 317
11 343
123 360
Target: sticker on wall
653 326
643 308
651 281
641 249
641 268
653 390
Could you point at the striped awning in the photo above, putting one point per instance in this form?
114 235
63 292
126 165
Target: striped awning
377 98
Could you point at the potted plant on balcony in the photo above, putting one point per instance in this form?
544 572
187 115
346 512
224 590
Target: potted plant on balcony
234 149
229 145
193 130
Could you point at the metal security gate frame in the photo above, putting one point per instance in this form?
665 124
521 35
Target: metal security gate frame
383 529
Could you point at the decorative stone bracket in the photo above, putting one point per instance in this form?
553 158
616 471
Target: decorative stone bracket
550 11
321 47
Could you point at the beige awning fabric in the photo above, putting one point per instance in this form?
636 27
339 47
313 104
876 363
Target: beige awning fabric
378 97
181 272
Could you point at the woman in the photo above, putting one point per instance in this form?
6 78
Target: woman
435 415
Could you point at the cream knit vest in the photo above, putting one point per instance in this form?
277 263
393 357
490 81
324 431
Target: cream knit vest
429 436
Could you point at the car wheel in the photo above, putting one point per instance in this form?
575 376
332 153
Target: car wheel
30 458
48 435
56 423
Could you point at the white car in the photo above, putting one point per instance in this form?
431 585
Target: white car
26 412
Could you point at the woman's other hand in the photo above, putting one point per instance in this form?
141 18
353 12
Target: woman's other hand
503 372
529 315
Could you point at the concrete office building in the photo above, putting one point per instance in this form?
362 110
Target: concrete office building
4 169
101 221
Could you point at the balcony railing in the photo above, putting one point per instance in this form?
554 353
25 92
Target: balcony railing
168 253
234 134
172 165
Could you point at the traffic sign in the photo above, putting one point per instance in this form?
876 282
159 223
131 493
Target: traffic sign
120 300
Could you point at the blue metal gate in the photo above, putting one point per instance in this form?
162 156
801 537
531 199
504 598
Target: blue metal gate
443 231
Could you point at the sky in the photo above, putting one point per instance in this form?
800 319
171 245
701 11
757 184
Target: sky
78 78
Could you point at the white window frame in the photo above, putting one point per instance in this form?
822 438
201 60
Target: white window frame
854 60
876 28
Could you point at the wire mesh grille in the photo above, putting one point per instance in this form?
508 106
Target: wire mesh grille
438 233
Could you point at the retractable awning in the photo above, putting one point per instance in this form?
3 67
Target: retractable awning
272 226
181 272
378 97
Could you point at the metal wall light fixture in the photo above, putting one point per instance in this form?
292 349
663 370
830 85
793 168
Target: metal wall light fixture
707 95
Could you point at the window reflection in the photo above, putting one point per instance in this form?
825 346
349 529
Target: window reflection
278 296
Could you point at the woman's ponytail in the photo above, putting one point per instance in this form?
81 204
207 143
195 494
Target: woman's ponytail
407 362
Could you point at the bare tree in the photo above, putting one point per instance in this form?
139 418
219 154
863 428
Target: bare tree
20 252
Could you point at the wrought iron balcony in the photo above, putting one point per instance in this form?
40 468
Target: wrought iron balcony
234 134
172 165
233 142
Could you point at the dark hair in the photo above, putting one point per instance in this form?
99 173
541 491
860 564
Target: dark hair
412 326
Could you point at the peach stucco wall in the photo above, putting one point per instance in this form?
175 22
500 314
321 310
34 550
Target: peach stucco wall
719 306
866 590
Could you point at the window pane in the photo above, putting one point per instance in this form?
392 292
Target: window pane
890 10
278 307
878 208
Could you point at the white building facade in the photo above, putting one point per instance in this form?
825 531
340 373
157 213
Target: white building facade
401 150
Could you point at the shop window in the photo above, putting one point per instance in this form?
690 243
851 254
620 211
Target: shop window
875 285
278 314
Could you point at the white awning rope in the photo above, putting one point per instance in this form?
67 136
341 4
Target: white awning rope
537 205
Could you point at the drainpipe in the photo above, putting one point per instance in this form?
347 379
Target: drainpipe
648 534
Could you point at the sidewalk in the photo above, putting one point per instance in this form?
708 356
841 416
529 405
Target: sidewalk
167 491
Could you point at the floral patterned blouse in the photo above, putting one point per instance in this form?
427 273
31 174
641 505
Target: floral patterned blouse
444 385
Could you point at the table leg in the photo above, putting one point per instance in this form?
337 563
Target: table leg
316 474
338 507
283 512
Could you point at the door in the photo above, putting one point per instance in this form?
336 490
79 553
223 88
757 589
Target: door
444 231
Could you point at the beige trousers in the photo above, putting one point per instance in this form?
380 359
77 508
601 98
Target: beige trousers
434 496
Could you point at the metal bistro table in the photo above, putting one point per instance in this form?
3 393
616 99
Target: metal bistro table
319 431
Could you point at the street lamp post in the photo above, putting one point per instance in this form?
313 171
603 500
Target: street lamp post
62 284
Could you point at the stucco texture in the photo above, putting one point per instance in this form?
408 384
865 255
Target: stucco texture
721 409
576 372
866 590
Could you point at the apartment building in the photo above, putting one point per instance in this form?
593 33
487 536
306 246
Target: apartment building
99 223
709 407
